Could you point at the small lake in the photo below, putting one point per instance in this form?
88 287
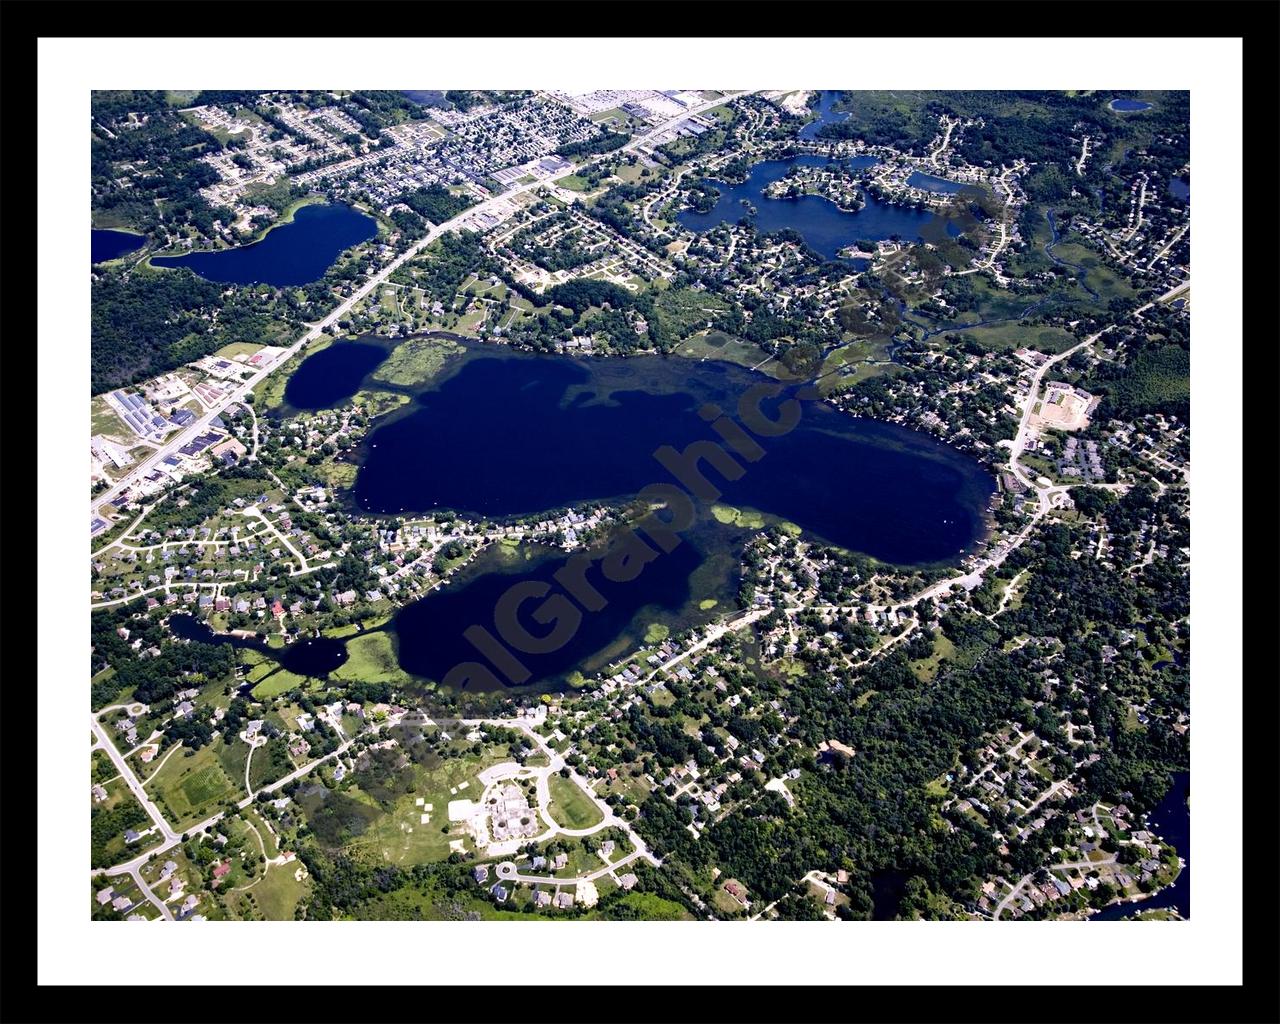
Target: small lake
827 114
1171 821
332 375
109 245
296 253
929 183
1129 106
888 887
824 226
314 657
426 97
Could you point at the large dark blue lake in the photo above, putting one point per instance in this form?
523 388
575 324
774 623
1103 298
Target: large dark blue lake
503 433
296 253
107 245
824 226
512 433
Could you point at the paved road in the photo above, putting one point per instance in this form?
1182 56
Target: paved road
172 838
131 780
506 872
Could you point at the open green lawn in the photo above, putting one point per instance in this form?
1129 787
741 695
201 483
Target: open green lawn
571 807
280 681
634 789
581 861
715 344
275 895
573 183
371 658
238 348
631 172
469 323
259 669
1009 336
1105 281
189 789
726 903
104 421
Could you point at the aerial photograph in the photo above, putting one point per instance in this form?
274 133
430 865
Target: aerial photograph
632 504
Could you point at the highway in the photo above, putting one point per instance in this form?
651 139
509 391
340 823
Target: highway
316 330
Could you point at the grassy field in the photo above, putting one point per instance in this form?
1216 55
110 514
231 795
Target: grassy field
237 348
113 220
270 762
1105 281
927 668
275 895
630 173
718 345
103 420
651 907
416 361
189 789
399 835
469 323
276 682
425 903
746 518
725 902
371 658
571 807
656 633
633 788
1009 336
